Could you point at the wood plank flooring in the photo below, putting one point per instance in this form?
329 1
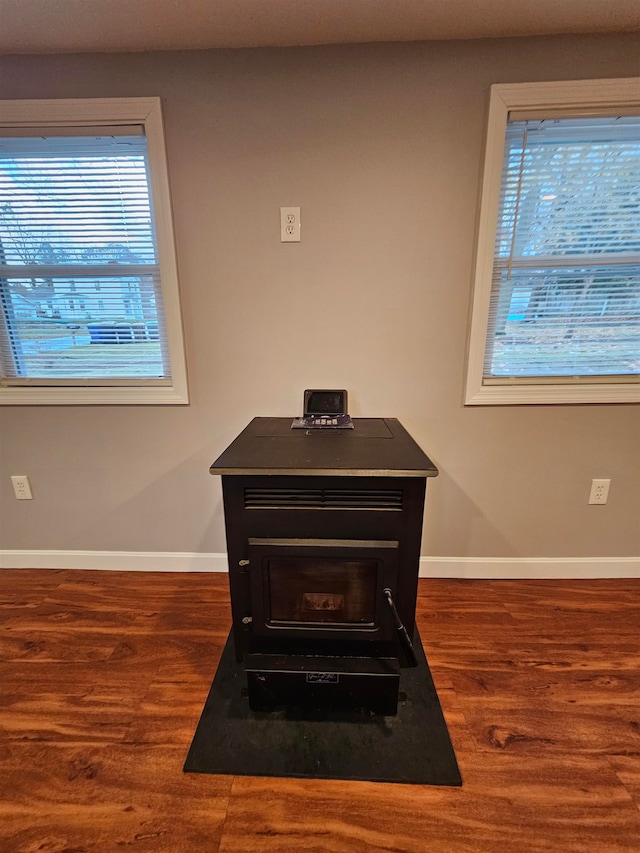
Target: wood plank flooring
103 676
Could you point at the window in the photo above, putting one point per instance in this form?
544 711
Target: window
84 211
556 308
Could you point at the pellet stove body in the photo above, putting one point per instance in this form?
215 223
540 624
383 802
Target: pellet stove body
319 525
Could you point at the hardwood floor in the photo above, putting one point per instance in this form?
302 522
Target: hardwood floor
103 676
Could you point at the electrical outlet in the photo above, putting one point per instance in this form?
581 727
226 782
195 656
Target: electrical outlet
599 491
21 487
289 224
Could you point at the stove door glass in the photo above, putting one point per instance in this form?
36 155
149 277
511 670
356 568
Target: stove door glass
327 590
322 587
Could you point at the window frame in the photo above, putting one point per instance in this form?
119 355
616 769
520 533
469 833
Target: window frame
588 97
96 112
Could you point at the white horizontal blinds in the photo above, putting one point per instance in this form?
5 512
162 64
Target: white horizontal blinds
75 200
76 327
565 295
79 274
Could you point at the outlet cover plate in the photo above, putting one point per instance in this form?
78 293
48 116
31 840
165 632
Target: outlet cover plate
289 224
21 487
599 493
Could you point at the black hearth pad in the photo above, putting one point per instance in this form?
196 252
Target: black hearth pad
412 747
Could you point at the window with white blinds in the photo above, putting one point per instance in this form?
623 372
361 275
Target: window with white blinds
86 305
557 312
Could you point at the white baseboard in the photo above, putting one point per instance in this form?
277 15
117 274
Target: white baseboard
123 561
529 567
430 567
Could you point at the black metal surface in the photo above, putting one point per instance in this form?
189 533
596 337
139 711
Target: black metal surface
296 494
412 747
376 447
292 497
367 684
246 521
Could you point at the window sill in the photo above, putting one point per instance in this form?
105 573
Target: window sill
517 395
85 396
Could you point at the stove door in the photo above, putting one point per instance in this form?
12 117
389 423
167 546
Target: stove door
322 588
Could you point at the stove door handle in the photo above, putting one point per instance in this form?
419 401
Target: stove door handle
403 636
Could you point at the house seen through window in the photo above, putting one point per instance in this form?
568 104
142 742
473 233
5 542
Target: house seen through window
557 302
81 289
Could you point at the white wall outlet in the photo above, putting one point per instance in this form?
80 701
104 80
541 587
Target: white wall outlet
599 491
21 487
289 224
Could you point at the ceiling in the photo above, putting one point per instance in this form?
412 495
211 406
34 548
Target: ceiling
72 26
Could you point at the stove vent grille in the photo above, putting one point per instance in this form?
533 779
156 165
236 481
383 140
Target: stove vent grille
296 498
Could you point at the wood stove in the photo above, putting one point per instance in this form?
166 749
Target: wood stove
323 535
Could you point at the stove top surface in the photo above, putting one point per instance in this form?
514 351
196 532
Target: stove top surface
375 447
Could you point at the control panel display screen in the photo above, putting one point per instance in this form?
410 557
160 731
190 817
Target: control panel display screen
325 403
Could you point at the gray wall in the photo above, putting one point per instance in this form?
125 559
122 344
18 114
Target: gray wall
381 147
